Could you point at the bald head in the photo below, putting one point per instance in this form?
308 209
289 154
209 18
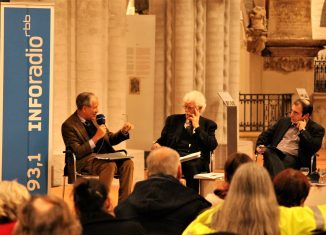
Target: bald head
165 161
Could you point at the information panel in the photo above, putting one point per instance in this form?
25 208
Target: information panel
26 71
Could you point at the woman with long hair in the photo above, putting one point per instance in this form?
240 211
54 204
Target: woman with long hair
251 206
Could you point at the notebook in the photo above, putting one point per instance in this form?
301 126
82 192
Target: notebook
112 156
189 157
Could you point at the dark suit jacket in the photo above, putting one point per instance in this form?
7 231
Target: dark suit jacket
107 224
204 135
75 136
310 139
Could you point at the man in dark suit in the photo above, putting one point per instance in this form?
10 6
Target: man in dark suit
189 133
86 138
292 141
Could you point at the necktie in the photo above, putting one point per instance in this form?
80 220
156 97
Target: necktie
90 128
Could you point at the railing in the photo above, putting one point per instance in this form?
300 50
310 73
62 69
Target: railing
257 112
320 74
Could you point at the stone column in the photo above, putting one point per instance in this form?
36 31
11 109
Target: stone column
64 69
116 80
184 51
159 9
215 63
90 46
234 49
200 45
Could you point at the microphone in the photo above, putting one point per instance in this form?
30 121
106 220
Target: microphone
100 119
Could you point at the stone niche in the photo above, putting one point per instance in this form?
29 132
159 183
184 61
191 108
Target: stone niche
288 42
290 46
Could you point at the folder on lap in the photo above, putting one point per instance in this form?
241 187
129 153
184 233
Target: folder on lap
189 157
112 156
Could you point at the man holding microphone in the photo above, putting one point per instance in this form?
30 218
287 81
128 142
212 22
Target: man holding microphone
86 138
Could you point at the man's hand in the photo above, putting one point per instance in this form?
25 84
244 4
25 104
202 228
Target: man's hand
100 132
155 146
301 125
260 149
126 128
194 118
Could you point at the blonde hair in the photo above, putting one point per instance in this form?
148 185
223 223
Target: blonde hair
164 161
197 97
12 195
250 206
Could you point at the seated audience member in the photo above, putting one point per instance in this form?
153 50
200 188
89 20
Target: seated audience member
12 195
86 138
92 205
291 188
189 133
161 203
230 166
47 215
292 141
251 208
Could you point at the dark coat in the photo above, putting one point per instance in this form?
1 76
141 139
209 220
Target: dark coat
310 139
106 224
204 136
162 205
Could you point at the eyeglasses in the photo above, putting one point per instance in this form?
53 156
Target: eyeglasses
187 107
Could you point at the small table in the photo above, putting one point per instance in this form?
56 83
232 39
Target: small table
317 195
208 182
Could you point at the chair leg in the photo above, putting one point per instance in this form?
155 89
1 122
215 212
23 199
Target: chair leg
63 187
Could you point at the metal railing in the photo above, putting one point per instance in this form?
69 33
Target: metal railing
320 74
257 112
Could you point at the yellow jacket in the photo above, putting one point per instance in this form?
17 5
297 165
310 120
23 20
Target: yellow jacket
294 220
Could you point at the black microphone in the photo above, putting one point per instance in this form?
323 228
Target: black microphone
100 119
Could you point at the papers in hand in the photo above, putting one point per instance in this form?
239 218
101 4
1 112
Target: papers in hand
189 157
112 156
211 176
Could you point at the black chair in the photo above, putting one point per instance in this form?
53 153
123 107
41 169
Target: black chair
70 169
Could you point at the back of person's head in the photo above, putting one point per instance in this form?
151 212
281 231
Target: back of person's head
196 97
90 196
46 215
164 161
232 164
12 195
306 106
291 187
250 206
83 99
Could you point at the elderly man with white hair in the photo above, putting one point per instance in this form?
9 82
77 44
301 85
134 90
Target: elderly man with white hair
189 133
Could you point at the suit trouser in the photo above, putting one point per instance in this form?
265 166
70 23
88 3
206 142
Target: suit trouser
189 169
107 169
275 161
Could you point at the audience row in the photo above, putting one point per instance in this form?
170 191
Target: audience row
249 203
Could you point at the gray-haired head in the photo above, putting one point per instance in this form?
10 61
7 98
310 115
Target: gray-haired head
197 98
165 161
83 99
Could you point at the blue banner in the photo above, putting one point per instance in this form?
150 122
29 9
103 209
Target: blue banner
26 47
